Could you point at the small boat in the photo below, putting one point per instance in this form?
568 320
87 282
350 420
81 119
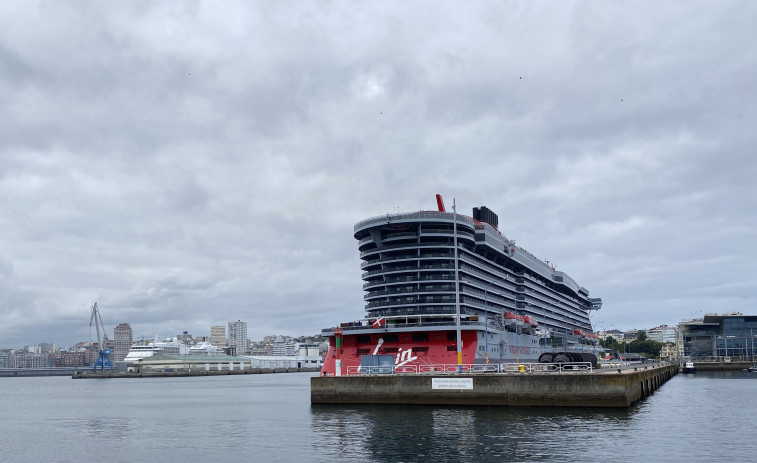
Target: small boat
752 369
688 368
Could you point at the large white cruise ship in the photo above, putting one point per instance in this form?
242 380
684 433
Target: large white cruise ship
421 268
169 346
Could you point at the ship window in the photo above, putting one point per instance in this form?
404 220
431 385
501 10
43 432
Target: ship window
363 339
451 336
391 338
420 349
390 350
420 337
363 351
437 336
452 348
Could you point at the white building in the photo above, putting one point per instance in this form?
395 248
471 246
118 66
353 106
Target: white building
283 347
309 350
238 336
286 362
663 334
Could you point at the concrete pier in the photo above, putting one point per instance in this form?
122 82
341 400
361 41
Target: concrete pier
599 388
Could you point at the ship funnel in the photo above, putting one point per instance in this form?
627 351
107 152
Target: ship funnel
440 203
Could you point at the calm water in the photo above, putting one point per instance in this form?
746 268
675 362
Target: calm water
703 417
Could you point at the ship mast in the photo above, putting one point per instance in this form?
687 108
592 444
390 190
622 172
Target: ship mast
457 295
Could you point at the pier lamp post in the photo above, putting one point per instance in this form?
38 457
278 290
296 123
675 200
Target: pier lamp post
486 322
457 293
517 337
544 329
604 330
517 325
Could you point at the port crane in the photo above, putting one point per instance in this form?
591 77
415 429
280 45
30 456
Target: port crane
103 359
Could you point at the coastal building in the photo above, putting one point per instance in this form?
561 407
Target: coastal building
26 359
70 359
260 349
663 334
310 350
278 362
730 336
122 341
34 349
283 347
47 347
615 334
668 351
218 335
186 338
238 336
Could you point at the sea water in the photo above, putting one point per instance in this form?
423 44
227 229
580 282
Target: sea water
696 418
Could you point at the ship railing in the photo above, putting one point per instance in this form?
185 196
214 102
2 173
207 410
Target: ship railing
537 368
388 218
355 326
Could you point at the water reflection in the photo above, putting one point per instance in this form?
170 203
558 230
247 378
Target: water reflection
391 433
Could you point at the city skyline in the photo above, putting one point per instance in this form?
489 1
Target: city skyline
184 163
271 337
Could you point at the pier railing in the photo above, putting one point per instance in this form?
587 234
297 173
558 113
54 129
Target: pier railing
575 367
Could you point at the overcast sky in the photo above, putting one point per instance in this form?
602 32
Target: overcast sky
187 164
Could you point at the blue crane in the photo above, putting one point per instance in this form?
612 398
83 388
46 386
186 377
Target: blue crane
103 359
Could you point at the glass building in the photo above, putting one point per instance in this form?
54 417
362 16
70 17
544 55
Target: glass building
728 335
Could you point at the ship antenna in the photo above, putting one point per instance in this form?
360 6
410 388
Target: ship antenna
457 289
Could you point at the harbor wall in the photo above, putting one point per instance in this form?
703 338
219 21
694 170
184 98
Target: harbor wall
721 366
596 389
185 373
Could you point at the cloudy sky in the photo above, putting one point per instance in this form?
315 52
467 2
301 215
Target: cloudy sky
187 164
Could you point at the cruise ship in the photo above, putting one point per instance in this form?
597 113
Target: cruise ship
142 350
425 271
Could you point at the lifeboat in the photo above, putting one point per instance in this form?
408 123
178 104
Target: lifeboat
510 319
578 332
530 320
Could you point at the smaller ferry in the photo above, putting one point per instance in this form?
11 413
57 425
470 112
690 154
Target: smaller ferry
688 367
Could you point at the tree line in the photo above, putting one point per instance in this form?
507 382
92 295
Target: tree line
642 345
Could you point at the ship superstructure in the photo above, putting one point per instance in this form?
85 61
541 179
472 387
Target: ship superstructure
513 306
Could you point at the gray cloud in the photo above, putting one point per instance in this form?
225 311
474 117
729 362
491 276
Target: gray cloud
189 163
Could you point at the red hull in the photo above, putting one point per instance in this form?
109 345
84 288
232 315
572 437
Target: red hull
408 348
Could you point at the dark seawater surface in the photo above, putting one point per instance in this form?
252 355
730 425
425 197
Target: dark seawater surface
696 418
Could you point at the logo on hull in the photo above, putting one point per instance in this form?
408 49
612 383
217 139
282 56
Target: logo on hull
402 357
405 357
